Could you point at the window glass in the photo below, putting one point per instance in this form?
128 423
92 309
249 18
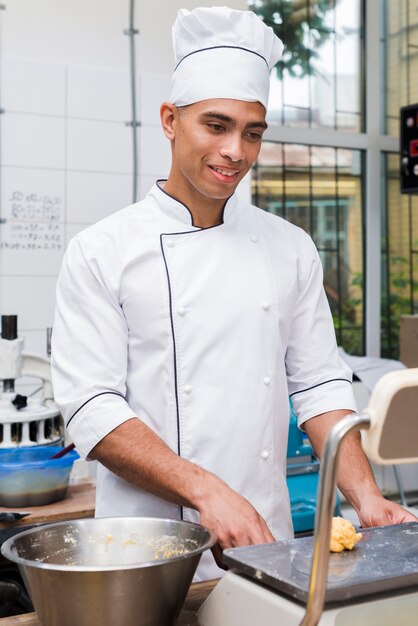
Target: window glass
399 257
320 190
400 47
318 83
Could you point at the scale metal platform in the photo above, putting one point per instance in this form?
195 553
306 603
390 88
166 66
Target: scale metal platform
385 560
298 582
376 584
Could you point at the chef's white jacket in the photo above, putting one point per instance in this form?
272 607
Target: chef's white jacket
203 334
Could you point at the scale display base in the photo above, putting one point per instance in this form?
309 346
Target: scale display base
239 601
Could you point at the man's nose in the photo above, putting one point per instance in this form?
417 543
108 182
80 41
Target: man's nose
232 147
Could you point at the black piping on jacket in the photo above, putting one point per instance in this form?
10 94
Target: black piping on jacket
102 393
332 380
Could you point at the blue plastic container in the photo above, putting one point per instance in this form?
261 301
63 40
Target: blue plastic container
302 479
303 501
28 476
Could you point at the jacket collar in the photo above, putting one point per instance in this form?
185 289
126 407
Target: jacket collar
179 212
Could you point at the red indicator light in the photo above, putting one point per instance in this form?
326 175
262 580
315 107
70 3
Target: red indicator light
413 148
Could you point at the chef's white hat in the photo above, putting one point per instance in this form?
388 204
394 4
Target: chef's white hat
222 53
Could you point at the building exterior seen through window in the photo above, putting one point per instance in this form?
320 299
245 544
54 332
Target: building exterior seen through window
330 132
399 256
399 211
320 188
318 82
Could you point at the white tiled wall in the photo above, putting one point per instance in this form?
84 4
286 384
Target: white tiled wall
96 146
26 87
30 140
65 146
93 195
98 93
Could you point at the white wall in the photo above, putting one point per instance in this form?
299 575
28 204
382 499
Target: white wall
65 148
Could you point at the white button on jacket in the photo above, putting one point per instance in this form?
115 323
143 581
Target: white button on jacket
120 350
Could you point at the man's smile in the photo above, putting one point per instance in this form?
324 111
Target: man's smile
224 173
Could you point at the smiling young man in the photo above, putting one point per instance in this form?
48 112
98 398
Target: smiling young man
184 322
214 144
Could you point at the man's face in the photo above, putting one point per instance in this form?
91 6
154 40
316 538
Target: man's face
214 144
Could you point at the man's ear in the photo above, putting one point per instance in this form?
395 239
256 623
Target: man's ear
169 115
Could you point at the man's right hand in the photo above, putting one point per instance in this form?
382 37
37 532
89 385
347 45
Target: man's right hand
134 452
232 518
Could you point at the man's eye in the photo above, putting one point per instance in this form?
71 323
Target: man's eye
254 136
216 127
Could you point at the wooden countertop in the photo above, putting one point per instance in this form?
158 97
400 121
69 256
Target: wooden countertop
79 502
197 594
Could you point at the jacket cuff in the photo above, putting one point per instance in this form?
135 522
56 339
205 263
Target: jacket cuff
96 418
333 395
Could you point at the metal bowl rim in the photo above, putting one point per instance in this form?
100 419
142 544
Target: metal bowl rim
6 547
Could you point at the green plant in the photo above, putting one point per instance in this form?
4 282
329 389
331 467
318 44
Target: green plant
302 28
396 301
348 330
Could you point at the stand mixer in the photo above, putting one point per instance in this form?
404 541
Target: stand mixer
25 421
298 582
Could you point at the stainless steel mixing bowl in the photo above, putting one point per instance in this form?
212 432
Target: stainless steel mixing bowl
119 571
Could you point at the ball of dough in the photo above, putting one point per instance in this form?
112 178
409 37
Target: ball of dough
343 535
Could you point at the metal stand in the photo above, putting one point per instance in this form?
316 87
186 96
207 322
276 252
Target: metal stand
325 508
400 486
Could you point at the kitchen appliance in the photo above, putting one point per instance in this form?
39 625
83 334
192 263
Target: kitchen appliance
25 421
298 582
409 148
124 571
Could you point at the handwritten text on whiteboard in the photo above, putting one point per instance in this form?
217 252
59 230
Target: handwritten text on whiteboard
34 222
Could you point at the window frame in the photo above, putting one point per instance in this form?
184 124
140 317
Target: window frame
374 144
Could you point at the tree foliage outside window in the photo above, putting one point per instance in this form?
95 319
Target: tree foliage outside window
396 301
302 27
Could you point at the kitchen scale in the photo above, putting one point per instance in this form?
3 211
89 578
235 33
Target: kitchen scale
298 582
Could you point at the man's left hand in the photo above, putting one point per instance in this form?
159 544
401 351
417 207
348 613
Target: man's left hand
377 511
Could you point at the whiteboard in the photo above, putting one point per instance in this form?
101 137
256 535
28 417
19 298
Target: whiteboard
65 162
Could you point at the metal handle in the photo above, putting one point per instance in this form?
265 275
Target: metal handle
9 332
324 513
9 327
48 340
